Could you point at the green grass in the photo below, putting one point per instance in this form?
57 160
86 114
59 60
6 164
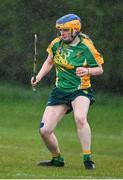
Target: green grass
21 147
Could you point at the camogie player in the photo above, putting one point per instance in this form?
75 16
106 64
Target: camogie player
76 60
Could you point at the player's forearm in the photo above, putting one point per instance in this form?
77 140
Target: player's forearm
95 71
46 67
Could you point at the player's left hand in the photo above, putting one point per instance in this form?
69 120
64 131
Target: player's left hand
82 71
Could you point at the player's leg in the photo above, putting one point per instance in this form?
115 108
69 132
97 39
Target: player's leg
52 115
80 107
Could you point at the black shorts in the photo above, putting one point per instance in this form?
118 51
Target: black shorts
58 97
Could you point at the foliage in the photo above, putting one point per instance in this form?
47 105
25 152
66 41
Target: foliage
21 19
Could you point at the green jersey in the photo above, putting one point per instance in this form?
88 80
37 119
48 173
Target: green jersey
67 58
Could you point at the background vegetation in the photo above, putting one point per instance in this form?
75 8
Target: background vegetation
21 19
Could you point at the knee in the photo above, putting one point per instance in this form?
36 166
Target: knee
44 132
81 120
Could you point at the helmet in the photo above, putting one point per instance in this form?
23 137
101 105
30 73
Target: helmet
69 21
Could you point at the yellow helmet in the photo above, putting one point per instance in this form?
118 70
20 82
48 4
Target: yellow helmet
69 21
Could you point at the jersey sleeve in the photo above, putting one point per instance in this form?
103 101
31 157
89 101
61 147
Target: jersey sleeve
93 57
53 46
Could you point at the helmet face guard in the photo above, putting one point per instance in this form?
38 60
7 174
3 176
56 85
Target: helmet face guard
70 22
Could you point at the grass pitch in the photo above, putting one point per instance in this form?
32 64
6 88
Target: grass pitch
21 147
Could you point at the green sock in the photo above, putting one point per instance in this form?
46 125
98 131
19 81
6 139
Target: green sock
87 157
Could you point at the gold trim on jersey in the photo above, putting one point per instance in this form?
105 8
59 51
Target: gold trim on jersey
49 49
93 50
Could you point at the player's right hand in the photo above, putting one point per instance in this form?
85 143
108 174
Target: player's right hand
33 82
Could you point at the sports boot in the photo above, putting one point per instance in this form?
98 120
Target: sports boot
57 161
89 164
